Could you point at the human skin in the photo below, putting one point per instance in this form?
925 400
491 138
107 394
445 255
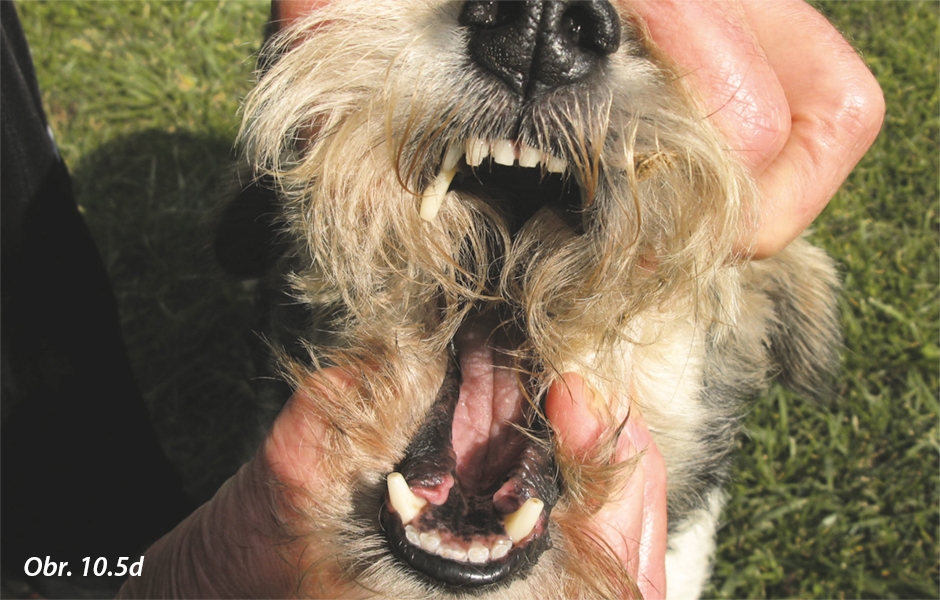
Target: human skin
796 103
798 107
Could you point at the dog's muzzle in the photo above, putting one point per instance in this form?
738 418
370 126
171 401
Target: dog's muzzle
537 46
469 504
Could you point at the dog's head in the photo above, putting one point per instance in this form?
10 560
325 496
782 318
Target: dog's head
482 195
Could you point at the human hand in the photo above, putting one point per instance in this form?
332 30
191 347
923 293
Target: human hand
792 97
246 542
633 523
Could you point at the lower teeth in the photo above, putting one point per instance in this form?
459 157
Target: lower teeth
477 553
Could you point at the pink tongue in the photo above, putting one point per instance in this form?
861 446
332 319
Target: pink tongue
490 401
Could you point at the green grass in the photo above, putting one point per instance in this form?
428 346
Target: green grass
840 500
830 500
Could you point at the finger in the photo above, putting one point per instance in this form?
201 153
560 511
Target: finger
712 45
293 448
651 576
285 12
633 523
572 408
620 522
294 469
836 108
575 412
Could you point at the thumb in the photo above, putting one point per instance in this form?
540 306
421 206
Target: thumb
295 446
633 524
295 461
578 414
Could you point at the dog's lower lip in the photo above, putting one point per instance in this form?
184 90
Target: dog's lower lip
482 507
460 574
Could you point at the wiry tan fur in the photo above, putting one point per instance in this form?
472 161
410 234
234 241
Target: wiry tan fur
647 300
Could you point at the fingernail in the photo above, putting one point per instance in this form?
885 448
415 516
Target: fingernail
596 401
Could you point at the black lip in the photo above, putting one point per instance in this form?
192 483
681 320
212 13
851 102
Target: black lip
462 575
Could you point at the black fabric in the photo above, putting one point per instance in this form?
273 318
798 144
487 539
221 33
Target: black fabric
81 470
26 148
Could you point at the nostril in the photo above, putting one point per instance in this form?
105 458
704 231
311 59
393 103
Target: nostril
489 14
571 24
502 38
591 26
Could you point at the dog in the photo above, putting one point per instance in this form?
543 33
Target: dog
486 195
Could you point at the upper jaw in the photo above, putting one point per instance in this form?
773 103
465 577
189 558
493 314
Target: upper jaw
473 152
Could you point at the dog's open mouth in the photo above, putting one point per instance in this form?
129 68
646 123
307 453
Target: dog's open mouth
521 178
469 503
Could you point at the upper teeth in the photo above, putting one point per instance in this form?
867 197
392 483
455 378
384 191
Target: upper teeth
474 152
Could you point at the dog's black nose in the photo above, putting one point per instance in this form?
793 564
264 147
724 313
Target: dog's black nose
538 45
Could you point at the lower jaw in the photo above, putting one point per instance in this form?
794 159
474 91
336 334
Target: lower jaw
460 538
443 571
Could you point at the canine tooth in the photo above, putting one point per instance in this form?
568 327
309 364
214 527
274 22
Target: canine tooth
434 194
451 157
504 153
478 553
529 157
403 500
477 150
521 523
500 549
430 542
411 534
553 164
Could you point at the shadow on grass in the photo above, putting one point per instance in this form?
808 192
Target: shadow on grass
149 200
